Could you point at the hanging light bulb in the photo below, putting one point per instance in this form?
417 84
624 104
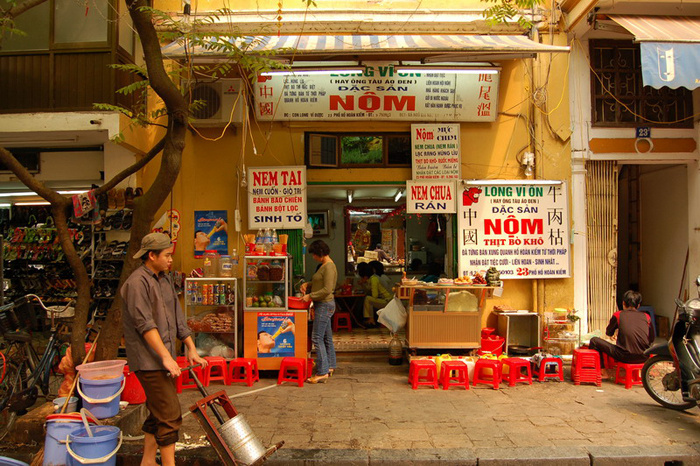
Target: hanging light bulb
528 163
244 181
438 223
350 194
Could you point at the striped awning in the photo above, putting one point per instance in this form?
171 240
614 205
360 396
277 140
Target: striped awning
661 28
670 49
371 44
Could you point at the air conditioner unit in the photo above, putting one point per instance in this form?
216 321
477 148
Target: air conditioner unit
223 99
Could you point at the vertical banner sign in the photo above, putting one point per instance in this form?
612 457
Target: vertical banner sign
435 151
276 334
522 230
431 197
277 197
210 231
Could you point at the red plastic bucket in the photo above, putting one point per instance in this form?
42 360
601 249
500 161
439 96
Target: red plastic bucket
133 391
493 344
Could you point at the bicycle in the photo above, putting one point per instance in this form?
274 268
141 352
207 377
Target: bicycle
24 372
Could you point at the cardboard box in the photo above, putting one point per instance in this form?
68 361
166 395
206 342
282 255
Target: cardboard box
662 326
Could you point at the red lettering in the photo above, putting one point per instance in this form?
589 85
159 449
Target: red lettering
347 104
264 178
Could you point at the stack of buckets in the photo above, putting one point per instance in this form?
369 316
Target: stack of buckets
72 439
491 344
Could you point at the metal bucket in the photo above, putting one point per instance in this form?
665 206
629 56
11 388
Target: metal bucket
239 437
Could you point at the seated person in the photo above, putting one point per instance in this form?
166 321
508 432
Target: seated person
433 275
382 256
635 333
378 269
377 296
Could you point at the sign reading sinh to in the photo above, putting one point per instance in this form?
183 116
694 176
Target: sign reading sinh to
521 229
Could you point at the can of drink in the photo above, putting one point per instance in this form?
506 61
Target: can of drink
216 294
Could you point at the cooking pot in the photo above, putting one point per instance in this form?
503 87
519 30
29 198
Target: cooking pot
522 350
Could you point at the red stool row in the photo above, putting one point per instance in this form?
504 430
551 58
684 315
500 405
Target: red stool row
455 373
218 368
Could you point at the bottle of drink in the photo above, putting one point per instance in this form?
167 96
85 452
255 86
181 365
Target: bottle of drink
285 324
275 238
259 246
267 241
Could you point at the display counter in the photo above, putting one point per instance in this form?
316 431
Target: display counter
272 330
444 316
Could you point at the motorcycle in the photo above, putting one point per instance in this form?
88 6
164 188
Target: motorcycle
674 367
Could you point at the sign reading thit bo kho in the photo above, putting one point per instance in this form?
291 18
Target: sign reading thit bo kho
379 93
277 197
521 229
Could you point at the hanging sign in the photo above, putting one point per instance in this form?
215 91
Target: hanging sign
435 152
380 93
430 197
277 197
521 229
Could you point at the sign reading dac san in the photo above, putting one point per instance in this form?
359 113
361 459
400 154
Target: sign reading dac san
521 229
277 197
431 197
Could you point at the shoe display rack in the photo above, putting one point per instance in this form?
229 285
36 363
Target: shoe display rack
211 310
34 261
110 241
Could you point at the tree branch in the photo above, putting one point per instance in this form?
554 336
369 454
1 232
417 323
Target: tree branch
30 181
124 174
17 10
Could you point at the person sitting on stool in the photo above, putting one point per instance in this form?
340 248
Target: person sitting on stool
377 296
635 333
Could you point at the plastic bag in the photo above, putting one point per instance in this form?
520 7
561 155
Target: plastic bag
393 316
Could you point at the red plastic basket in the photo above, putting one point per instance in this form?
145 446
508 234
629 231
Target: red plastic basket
297 303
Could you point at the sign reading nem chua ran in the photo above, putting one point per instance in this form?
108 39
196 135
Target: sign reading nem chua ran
277 197
521 229
380 93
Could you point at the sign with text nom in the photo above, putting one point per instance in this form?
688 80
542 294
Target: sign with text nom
521 229
380 93
431 197
435 152
277 197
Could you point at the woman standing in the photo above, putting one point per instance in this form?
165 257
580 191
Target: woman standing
322 285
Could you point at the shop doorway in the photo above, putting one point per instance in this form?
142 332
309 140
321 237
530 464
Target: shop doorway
637 216
653 235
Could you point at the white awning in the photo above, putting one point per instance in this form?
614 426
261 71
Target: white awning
670 49
475 46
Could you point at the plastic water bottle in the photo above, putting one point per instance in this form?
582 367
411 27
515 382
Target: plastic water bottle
259 246
275 238
267 241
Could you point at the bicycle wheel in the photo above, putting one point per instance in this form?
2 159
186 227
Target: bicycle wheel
11 383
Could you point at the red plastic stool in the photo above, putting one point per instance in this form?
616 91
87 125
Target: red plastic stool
632 376
217 369
185 381
480 375
515 371
342 320
292 370
243 370
609 361
460 377
429 377
543 373
585 367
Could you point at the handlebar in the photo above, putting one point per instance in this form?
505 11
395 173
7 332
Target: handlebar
27 298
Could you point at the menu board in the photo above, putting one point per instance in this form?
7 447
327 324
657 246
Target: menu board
521 229
435 152
277 197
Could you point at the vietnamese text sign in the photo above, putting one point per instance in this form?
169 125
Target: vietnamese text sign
380 93
430 197
521 229
435 152
277 197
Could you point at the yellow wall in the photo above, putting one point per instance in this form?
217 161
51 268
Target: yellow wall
212 163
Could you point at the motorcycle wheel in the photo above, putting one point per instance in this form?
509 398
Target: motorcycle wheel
653 373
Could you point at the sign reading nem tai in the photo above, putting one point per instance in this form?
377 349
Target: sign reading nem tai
277 197
521 229
379 93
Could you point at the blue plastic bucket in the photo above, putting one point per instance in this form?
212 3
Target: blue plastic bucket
101 448
58 427
101 397
5 461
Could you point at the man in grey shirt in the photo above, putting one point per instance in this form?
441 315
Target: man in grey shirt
153 321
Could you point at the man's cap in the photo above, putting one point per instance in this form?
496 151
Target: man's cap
153 242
